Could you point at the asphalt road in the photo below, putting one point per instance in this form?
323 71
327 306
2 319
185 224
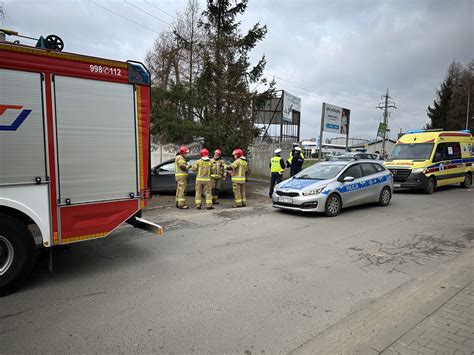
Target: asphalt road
252 280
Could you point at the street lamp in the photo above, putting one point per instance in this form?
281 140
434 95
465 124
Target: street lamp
468 102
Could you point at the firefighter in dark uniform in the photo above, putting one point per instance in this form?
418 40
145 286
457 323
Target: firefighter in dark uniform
218 175
277 167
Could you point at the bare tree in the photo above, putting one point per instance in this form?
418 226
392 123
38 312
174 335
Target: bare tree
176 56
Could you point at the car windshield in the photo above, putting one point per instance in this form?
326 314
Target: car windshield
320 171
417 151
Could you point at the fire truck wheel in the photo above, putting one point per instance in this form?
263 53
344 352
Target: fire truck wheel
17 253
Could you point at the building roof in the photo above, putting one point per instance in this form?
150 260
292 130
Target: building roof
372 143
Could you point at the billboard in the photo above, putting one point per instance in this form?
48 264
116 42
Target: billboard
336 119
290 103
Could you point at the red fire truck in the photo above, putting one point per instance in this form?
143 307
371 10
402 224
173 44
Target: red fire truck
74 150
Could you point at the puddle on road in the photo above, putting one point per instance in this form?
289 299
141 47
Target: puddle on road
419 249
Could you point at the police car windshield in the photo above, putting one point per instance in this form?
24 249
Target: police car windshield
416 151
321 171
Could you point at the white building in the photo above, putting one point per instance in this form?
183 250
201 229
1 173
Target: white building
376 146
338 145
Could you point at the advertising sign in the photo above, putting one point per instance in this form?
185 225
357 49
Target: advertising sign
382 129
290 103
336 119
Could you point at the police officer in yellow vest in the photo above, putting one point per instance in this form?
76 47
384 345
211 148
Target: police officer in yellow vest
277 167
239 175
219 167
204 170
181 176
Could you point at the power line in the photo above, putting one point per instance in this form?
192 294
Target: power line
316 88
361 98
146 12
326 93
157 8
313 93
124 17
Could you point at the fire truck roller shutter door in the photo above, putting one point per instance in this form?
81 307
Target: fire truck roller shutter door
22 143
96 134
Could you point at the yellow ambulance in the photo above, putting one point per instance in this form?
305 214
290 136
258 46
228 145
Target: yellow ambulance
426 159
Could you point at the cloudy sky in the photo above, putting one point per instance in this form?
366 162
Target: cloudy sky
343 52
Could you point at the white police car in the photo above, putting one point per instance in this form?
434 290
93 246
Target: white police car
331 185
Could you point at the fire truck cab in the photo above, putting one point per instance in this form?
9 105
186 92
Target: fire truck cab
74 151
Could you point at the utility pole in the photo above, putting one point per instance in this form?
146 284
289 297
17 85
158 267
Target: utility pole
385 105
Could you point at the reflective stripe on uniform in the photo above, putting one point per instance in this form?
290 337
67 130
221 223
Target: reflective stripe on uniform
178 163
235 178
203 179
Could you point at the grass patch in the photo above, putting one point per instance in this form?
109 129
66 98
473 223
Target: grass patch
309 161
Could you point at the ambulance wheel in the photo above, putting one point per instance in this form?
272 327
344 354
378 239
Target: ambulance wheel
17 253
333 205
467 181
385 196
430 186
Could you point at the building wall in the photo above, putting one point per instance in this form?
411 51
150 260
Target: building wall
372 147
342 141
260 154
163 152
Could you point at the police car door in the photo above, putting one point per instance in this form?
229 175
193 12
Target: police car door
371 184
351 192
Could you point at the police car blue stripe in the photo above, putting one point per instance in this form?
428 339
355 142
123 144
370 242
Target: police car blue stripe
349 187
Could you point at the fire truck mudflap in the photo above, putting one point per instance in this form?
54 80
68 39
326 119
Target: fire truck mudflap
74 151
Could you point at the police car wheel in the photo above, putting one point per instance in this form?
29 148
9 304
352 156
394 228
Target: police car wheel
467 181
430 186
17 253
333 205
385 196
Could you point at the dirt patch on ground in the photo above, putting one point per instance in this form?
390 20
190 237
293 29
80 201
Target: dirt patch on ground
418 249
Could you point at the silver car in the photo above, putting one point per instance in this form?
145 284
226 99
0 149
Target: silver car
331 185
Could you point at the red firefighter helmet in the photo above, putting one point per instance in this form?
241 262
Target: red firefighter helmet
238 153
204 153
218 152
183 150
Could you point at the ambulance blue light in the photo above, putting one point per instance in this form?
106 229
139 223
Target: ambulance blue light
416 131
465 130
